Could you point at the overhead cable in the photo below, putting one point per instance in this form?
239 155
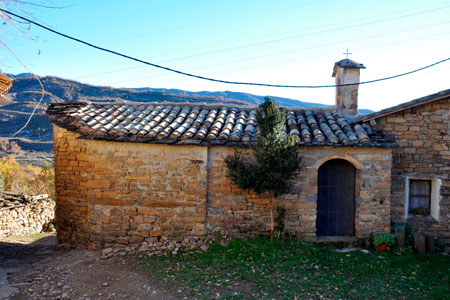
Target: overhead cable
208 78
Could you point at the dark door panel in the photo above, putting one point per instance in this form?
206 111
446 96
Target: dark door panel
336 199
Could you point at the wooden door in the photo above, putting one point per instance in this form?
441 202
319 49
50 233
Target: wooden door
336 199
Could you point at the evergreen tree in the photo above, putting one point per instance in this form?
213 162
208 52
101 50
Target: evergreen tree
276 159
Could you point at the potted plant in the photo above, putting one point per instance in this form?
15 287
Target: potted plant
421 211
382 241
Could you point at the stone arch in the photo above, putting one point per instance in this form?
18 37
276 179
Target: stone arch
358 165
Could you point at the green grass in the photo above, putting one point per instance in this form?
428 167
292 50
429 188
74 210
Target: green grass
288 269
37 236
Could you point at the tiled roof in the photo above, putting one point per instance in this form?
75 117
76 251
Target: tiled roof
394 109
203 124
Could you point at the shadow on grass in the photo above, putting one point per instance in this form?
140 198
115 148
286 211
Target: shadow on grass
260 268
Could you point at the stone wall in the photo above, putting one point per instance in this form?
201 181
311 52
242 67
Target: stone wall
235 212
22 215
423 136
114 194
124 193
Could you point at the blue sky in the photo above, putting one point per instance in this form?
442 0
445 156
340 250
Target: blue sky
278 42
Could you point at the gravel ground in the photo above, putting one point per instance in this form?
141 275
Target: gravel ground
37 269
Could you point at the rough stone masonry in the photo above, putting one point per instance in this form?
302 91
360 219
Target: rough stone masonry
121 194
22 215
423 137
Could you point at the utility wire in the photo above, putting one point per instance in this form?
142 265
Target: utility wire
233 42
288 38
272 54
308 34
213 79
316 56
257 57
259 65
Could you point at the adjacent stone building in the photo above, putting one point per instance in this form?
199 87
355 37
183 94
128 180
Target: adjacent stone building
421 163
133 173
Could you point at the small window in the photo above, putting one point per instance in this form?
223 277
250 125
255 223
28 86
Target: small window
423 197
419 196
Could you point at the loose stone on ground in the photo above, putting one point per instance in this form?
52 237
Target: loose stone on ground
38 270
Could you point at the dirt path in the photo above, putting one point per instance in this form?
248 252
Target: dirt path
36 269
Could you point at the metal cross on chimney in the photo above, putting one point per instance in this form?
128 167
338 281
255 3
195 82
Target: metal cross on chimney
347 53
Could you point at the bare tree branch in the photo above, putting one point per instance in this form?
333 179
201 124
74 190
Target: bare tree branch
40 5
40 83
12 27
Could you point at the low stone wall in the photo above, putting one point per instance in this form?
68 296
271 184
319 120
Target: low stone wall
21 215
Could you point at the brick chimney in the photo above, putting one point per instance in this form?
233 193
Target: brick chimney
347 71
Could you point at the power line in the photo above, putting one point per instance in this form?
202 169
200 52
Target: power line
274 54
255 38
264 56
307 34
314 2
294 37
208 78
286 61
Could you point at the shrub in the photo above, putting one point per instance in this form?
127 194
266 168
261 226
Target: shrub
28 179
387 238
276 158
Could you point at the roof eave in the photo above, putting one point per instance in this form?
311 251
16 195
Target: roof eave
394 109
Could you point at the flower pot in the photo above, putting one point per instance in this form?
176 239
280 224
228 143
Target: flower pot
383 247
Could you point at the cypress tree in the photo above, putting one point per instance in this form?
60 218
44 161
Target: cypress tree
275 157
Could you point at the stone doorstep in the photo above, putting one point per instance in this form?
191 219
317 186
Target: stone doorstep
337 239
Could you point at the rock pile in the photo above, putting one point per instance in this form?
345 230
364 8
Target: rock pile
21 214
164 246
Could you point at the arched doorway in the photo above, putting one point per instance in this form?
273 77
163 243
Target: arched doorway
336 199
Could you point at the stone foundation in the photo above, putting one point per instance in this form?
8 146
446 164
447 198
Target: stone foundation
22 215
117 195
164 246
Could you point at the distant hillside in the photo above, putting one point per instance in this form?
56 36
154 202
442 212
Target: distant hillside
250 98
26 91
37 136
59 90
21 75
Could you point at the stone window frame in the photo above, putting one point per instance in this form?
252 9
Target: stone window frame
436 184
